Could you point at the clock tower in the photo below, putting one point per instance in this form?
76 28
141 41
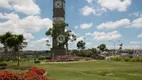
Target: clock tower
58 16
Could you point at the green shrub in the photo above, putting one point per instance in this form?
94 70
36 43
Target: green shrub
116 58
127 59
134 59
3 64
37 61
41 57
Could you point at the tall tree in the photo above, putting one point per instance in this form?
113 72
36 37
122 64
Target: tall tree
56 27
3 39
120 46
69 36
81 44
102 47
13 42
16 43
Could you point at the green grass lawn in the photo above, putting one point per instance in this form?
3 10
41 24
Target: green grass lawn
90 70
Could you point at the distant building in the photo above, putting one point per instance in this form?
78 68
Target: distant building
137 52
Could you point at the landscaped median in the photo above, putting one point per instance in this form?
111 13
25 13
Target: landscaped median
32 74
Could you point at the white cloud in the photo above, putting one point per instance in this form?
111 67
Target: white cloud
113 25
120 5
135 42
28 24
136 14
43 40
24 6
39 44
102 6
11 16
72 45
132 47
86 25
28 36
76 27
139 36
106 36
88 34
5 4
126 23
89 1
137 23
88 10
80 38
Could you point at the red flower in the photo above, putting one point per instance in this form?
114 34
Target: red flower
33 74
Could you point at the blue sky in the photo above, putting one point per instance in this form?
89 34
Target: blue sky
96 21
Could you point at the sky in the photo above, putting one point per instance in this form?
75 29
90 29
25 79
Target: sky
94 21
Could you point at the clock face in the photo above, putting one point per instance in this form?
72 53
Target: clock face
58 19
58 4
61 39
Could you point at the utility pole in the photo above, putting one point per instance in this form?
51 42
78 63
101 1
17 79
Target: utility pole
114 44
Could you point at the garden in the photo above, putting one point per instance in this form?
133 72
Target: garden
81 64
75 70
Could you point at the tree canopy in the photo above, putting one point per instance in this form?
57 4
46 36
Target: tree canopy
13 42
102 47
81 44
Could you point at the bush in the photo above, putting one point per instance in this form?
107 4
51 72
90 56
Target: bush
116 58
37 71
37 61
134 59
41 58
33 74
3 64
126 59
8 76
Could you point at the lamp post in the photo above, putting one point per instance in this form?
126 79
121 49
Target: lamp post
114 43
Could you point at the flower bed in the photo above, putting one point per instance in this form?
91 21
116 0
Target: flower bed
8 76
33 74
68 58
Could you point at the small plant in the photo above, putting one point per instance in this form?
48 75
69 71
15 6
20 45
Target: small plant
127 59
116 58
3 64
41 58
37 62
8 76
33 74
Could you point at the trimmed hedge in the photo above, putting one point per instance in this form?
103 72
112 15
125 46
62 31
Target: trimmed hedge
37 62
3 64
41 58
127 59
